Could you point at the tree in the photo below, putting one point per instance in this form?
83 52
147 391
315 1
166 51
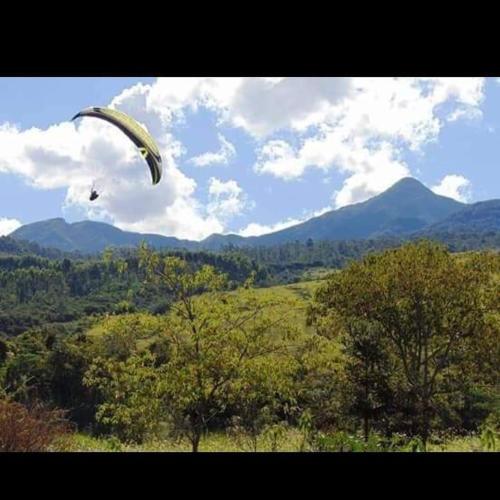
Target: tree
368 370
216 336
261 399
425 304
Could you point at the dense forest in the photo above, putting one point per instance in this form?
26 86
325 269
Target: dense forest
41 285
396 347
38 290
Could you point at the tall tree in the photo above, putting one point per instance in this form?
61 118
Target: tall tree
216 337
426 304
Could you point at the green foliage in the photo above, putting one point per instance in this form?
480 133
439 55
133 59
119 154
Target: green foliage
119 337
217 340
400 351
490 432
131 392
419 310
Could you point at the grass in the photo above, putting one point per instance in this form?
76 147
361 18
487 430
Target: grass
221 442
317 273
213 442
459 444
303 290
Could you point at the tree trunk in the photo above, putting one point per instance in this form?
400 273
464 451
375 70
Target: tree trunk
195 442
365 416
425 412
425 427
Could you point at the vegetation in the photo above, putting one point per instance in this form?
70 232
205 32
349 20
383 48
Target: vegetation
143 350
411 321
30 429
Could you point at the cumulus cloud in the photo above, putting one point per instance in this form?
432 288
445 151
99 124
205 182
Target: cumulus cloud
256 229
467 113
76 155
221 157
258 105
263 106
356 126
454 186
8 225
226 199
362 134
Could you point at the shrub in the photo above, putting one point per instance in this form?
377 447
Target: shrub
32 429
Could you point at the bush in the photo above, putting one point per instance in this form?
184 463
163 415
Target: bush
32 429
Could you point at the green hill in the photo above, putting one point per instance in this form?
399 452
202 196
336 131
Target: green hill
90 236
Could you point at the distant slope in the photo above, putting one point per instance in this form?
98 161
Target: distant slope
15 247
405 208
480 217
89 236
218 241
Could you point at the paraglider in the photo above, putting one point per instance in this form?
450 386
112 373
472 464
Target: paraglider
142 139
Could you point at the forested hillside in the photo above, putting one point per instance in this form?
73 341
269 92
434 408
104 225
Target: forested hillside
398 351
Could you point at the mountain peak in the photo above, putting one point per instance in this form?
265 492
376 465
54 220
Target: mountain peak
408 183
55 219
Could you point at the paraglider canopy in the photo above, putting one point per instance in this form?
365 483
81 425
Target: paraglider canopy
145 143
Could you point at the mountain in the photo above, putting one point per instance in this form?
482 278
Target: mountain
405 208
89 236
478 218
217 241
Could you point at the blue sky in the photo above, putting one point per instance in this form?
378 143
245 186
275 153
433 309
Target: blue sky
240 155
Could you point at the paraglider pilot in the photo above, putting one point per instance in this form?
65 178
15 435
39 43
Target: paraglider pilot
93 194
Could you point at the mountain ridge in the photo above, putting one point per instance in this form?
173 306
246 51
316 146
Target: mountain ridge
407 207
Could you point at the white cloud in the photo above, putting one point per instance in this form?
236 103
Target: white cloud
278 158
468 113
226 199
183 218
221 157
357 126
362 134
259 105
73 156
454 186
262 105
8 225
370 171
256 229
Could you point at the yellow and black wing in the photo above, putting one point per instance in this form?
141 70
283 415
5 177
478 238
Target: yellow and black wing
145 143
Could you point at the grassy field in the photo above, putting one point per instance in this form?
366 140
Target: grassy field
213 442
291 442
302 291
